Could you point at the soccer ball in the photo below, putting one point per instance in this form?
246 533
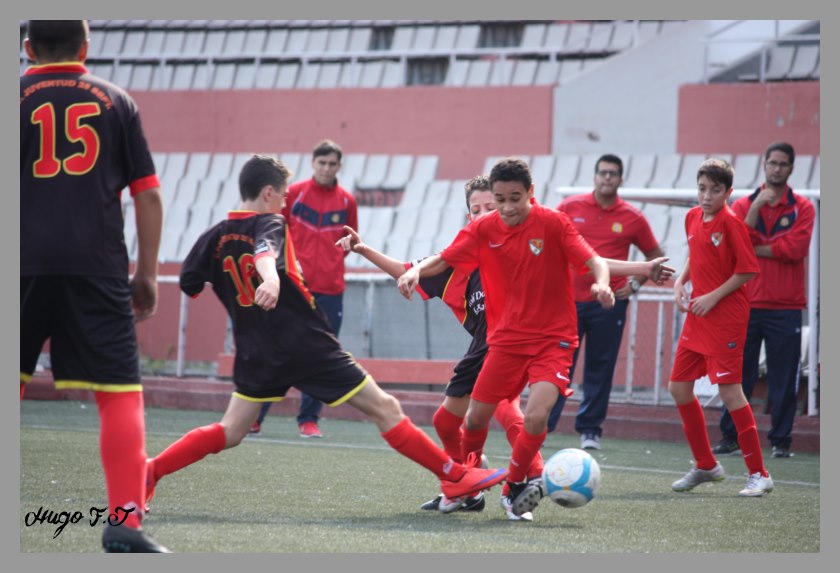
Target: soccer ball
571 477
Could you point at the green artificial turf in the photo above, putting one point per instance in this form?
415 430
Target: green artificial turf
351 493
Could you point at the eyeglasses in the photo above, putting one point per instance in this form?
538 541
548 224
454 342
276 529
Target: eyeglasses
608 173
777 165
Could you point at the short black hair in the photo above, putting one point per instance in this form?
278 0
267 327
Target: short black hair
259 171
477 183
782 146
718 170
511 169
326 147
610 158
57 39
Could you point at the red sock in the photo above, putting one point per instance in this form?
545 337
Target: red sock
448 428
413 443
190 448
122 447
473 441
527 446
748 439
509 415
694 428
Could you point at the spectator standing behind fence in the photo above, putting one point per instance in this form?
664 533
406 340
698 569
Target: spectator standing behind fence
720 262
780 224
610 226
317 211
81 144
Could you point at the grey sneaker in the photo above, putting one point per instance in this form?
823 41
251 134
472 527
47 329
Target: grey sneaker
781 452
757 485
590 442
697 476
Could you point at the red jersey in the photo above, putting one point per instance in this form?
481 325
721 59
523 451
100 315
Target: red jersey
316 216
610 231
526 273
787 228
717 249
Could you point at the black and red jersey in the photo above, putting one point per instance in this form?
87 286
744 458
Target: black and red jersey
81 144
225 256
464 296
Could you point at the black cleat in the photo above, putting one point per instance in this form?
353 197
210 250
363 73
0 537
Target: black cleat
121 539
473 503
433 504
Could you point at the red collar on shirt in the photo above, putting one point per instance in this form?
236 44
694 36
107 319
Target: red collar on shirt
58 68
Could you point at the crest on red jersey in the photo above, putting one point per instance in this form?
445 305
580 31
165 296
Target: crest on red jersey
717 238
536 245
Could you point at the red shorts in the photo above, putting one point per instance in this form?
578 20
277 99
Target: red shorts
690 365
505 374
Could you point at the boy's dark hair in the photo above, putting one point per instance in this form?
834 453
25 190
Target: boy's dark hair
511 169
57 39
259 171
610 158
477 183
325 148
782 146
718 171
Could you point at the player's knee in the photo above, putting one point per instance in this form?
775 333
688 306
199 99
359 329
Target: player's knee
536 422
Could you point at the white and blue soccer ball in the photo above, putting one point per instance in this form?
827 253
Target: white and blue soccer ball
571 477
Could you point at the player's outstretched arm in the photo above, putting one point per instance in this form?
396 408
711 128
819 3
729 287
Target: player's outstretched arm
655 269
428 267
352 241
148 209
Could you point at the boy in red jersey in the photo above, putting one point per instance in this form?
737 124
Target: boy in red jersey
464 295
524 252
720 261
283 340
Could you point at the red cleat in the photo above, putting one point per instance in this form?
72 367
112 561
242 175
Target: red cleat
310 430
473 481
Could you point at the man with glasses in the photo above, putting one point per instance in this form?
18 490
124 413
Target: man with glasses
780 223
610 226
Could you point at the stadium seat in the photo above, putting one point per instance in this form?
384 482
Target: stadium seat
600 38
276 41
214 43
457 198
623 36
405 221
350 74
425 168
586 173
193 42
122 73
648 29
143 76
419 249
456 75
524 72
780 62
667 171
414 195
548 71
479 73
201 77
501 72
445 38
399 170
316 42
578 38
337 40
352 168
199 221
467 37
428 221
235 42
569 70
805 62
814 181
747 168
392 75
154 43
245 76
533 35
308 77
255 41
424 38
565 170
359 40
296 43
802 168
295 162
556 35
639 171
223 74
287 75
396 246
329 76
130 45
687 178
542 168
375 170
403 38
371 74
